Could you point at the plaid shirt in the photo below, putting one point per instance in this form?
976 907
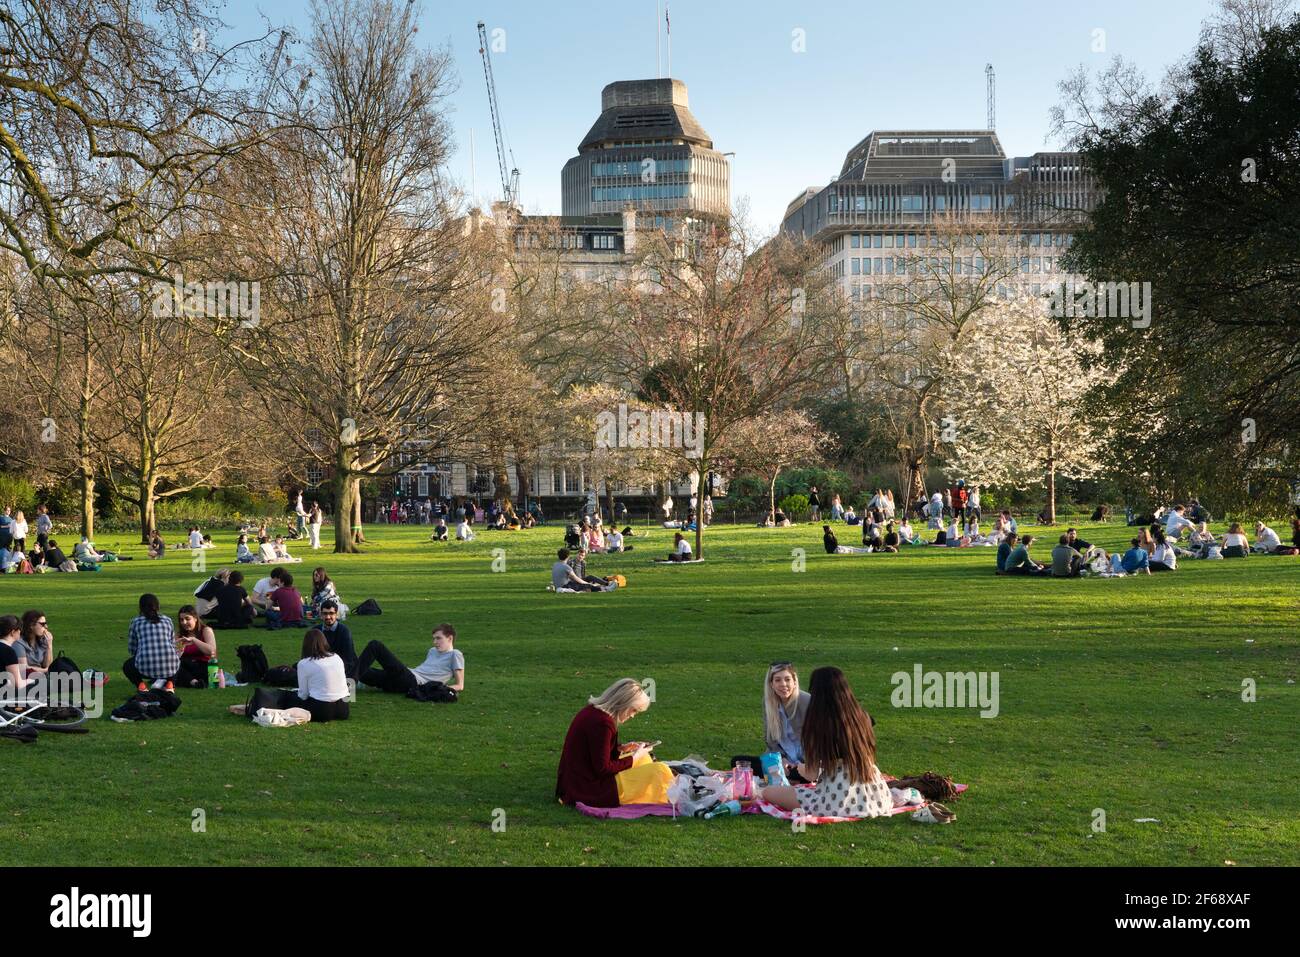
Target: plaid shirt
151 645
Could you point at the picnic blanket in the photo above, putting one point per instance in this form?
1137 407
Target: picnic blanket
628 812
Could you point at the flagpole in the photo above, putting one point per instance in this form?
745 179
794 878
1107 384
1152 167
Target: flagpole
659 71
668 29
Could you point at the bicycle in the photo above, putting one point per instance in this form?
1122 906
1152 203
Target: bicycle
66 719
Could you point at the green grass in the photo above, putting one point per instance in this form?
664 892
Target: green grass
1121 694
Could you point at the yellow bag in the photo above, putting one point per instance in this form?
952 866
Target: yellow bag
646 782
622 582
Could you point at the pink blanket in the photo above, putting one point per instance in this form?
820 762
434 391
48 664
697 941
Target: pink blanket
629 812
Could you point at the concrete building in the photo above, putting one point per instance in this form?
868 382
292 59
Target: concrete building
646 150
894 185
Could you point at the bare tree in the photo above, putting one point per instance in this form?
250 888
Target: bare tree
768 444
718 331
376 322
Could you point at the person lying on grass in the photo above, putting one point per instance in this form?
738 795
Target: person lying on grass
599 772
322 685
443 664
833 546
785 708
839 756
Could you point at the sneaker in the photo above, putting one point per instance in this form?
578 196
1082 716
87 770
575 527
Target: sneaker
934 813
142 687
169 688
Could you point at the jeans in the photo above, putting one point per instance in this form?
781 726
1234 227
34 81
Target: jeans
391 675
135 676
275 620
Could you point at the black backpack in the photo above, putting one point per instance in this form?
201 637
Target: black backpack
368 607
434 691
281 676
253 664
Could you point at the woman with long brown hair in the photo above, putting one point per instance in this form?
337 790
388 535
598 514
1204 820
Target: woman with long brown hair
839 754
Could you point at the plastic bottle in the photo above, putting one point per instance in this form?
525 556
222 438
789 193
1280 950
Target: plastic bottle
214 667
723 809
742 781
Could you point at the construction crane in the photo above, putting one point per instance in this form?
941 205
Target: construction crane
270 78
509 180
992 97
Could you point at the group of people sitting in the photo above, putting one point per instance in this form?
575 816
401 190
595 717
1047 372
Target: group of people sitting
223 601
20 556
590 535
569 573
823 738
269 552
27 654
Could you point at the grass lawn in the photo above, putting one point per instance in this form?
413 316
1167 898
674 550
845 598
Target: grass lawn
1124 695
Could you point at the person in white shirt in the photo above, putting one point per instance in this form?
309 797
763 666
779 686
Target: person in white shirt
196 538
1176 521
266 552
614 541
952 538
1235 544
1164 558
322 690
905 534
934 511
314 521
463 532
282 551
260 598
1266 540
973 503
681 549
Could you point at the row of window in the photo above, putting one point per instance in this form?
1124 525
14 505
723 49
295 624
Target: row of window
970 265
641 167
606 194
915 203
912 240
868 291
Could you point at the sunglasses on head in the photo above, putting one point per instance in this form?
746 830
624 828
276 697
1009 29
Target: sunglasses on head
780 664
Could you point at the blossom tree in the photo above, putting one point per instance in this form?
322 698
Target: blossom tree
1018 386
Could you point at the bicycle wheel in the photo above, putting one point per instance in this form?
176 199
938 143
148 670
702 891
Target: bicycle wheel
60 719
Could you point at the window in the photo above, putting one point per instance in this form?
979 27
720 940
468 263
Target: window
889 265
857 267
572 481
911 240
315 474
877 269
899 240
876 241
889 241
854 241
860 204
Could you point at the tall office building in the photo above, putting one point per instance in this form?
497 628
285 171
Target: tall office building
894 185
648 152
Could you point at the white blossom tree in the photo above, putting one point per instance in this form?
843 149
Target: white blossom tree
1018 384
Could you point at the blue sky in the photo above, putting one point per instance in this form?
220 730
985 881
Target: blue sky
789 116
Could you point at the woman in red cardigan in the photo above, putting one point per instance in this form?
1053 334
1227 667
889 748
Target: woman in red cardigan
595 770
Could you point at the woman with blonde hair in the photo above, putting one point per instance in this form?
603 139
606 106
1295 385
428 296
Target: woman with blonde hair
839 754
784 708
595 769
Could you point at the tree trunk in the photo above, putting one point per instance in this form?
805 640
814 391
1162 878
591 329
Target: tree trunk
703 472
85 469
358 523
1051 490
501 482
147 502
523 471
345 506
609 499
771 496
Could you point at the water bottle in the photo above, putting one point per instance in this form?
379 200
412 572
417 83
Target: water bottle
742 781
724 809
213 669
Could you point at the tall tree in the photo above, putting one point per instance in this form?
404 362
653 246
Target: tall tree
734 330
376 322
1016 392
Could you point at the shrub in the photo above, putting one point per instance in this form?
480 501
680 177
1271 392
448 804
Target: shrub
794 506
17 492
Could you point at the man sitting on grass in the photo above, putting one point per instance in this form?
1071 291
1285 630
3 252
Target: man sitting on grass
1066 560
443 664
563 575
578 563
1019 562
284 605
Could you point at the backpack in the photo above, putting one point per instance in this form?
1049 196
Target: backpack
259 699
368 607
281 676
434 691
253 664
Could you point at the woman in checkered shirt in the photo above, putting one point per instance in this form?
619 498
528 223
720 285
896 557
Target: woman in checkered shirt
151 639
